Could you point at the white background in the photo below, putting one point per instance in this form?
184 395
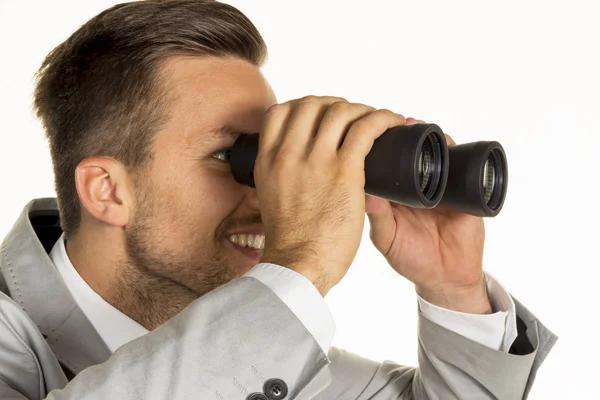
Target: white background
524 73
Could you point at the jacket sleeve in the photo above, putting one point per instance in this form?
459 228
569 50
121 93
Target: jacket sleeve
230 342
21 376
224 345
450 367
6 393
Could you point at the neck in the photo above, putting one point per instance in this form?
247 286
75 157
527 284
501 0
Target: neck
101 260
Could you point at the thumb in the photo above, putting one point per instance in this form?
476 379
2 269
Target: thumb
381 219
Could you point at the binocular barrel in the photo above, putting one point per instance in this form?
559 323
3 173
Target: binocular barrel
414 166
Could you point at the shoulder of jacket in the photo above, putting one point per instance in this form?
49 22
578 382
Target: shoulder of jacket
15 323
20 368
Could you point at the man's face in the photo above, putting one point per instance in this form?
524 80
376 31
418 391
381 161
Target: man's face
188 202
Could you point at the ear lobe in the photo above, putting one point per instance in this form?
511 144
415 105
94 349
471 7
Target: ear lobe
103 187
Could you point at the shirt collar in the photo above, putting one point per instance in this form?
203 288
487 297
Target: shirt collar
114 327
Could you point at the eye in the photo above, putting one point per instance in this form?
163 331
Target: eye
221 155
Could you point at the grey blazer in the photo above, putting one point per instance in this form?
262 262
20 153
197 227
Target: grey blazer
239 341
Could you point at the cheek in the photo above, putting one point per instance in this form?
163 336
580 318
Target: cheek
209 197
193 208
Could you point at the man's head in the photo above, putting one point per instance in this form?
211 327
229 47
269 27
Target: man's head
137 105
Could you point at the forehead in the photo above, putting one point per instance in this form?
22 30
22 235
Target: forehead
207 94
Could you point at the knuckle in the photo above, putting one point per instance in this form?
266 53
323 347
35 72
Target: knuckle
339 99
384 112
339 106
308 102
361 125
309 97
335 111
277 109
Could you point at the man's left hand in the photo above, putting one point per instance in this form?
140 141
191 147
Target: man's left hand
440 250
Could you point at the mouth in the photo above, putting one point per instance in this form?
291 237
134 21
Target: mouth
252 254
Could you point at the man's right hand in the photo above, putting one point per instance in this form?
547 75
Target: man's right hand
310 179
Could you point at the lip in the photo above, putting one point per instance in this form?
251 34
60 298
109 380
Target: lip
254 255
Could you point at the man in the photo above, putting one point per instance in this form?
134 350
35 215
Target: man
155 275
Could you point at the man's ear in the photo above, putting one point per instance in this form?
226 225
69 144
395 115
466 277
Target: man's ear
105 189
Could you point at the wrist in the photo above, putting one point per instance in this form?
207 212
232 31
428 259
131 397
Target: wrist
309 270
471 299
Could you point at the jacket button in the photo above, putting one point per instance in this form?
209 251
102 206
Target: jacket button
257 396
275 389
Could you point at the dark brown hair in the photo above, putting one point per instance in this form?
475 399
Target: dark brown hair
98 92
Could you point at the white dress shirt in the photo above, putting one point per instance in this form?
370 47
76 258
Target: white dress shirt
497 330
114 327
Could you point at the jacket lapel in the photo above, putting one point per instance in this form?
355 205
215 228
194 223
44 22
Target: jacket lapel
34 283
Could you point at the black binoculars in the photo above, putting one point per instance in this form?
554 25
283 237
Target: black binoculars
414 166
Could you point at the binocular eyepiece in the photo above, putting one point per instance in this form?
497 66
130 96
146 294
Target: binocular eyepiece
414 166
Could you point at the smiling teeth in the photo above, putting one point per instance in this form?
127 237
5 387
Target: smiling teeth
253 241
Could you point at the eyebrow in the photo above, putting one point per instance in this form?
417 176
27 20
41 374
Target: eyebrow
228 132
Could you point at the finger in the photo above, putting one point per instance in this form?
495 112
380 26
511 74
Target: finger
275 117
361 135
336 122
303 123
381 221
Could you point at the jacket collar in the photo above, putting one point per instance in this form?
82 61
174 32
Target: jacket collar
31 279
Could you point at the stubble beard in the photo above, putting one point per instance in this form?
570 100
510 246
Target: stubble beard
155 284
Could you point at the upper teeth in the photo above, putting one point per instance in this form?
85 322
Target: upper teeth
254 241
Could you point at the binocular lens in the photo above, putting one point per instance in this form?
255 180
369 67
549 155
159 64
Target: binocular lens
489 178
425 165
430 163
494 174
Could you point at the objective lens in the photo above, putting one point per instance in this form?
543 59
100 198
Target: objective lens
429 168
425 165
489 180
494 175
